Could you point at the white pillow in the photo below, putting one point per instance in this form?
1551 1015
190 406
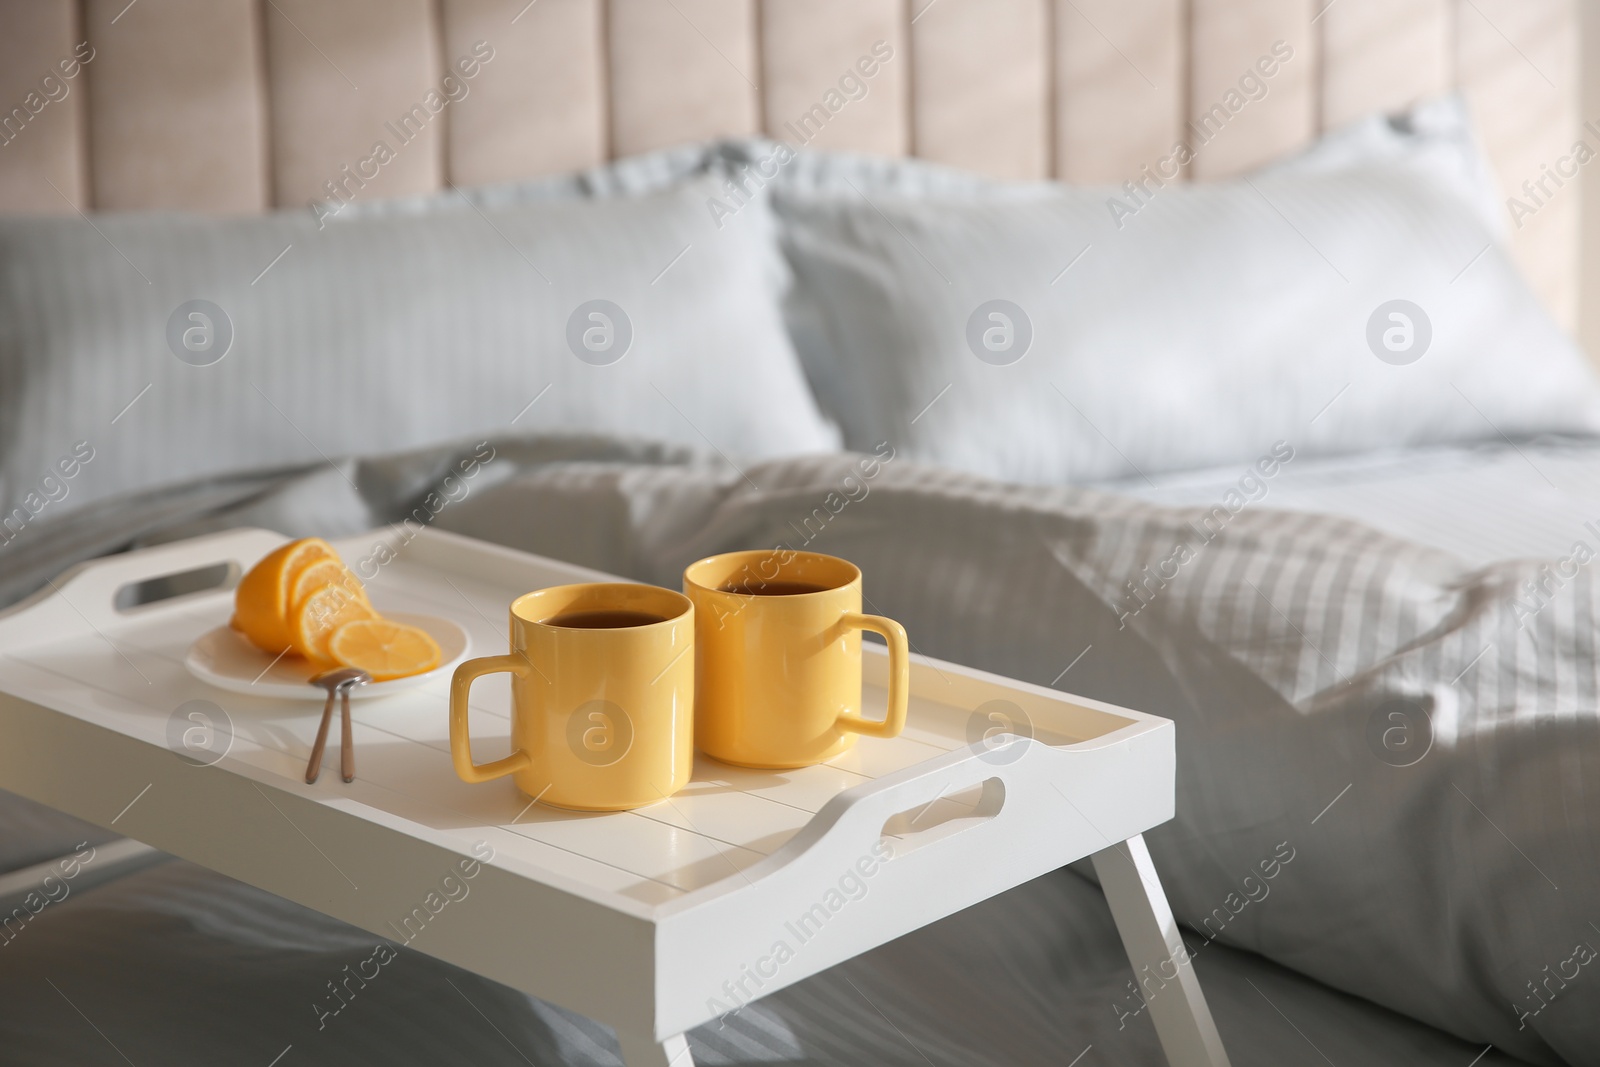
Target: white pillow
383 331
1191 326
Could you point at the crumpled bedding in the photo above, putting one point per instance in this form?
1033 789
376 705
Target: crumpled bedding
1415 731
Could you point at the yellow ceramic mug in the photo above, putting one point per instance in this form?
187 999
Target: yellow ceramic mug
778 658
602 696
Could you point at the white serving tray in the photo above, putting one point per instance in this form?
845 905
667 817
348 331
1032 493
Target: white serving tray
638 918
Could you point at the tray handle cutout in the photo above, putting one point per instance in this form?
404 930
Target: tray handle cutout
111 591
134 595
944 816
909 799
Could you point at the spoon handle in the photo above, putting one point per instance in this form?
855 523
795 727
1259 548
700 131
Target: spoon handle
314 768
347 751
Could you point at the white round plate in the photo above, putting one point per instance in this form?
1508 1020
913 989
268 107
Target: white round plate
223 658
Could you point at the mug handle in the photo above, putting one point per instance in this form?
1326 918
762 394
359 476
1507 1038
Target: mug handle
894 719
460 744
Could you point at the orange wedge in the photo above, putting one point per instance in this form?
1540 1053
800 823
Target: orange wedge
261 603
321 613
384 649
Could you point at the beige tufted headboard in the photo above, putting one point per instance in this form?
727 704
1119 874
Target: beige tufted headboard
240 105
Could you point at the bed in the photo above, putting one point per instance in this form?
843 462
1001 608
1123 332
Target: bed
987 986
673 273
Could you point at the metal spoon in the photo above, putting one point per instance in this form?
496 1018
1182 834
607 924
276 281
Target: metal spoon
339 682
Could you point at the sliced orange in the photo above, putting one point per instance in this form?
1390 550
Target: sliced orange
320 573
314 550
261 603
384 649
323 612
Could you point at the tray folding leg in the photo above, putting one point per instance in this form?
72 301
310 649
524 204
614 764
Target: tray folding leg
646 1051
1150 936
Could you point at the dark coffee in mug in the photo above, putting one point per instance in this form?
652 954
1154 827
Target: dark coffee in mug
755 587
602 620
